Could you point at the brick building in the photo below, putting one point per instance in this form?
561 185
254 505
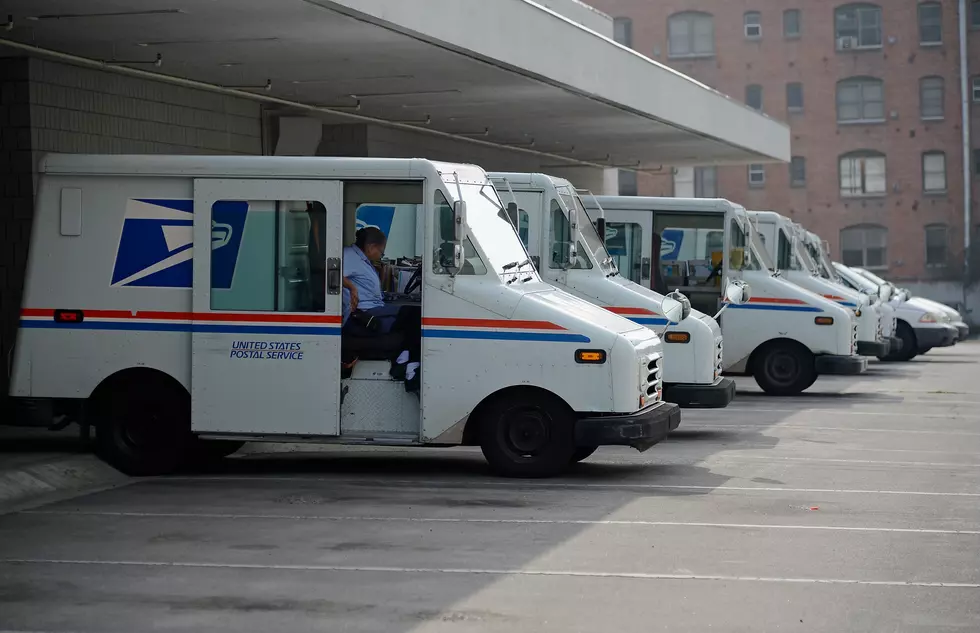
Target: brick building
872 95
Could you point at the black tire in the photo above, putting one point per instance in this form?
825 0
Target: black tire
582 453
783 368
214 450
909 347
144 429
527 434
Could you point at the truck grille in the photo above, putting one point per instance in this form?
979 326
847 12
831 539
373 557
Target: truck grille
652 378
719 356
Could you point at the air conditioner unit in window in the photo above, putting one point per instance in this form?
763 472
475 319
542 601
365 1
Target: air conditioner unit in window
846 43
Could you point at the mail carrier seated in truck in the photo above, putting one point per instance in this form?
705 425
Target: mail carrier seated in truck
168 303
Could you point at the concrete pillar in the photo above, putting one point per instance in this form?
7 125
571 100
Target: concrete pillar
16 197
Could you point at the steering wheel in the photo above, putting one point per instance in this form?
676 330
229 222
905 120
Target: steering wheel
714 273
414 281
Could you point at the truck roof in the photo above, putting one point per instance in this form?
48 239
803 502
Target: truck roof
252 166
650 203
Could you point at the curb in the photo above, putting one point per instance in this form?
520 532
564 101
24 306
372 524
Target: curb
55 479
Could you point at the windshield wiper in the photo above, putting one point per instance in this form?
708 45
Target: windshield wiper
516 264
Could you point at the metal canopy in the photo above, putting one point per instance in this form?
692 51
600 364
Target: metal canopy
507 72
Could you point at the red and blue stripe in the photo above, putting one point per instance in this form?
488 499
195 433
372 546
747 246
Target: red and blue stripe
777 305
290 324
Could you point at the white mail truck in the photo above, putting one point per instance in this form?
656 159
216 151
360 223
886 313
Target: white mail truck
551 219
780 238
784 336
182 305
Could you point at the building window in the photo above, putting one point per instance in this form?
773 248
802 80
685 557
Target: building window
863 174
976 90
627 183
753 25
791 24
691 34
696 182
937 245
794 97
860 100
865 246
797 172
857 26
930 23
757 175
705 182
975 14
753 96
932 98
623 31
934 172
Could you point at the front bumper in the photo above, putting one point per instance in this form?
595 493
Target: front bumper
641 430
896 344
963 330
873 348
928 337
841 365
715 396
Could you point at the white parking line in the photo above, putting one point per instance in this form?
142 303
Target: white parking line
496 572
931 416
828 460
613 522
440 484
806 427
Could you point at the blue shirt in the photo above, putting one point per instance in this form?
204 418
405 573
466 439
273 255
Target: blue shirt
359 269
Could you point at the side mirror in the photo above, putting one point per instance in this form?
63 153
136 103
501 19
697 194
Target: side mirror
459 220
576 233
513 214
883 293
676 307
737 292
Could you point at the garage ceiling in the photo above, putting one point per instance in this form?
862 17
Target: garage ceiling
337 55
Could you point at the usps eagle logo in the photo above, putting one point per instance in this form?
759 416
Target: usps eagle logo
156 246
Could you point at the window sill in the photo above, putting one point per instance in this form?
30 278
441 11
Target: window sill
863 196
863 122
933 119
936 194
753 39
690 56
797 185
757 185
930 44
794 110
937 266
794 36
860 49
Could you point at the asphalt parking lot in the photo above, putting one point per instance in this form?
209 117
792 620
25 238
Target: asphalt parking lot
854 507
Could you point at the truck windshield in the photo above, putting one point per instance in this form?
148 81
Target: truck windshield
491 227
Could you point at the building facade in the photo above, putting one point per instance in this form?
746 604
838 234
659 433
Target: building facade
873 96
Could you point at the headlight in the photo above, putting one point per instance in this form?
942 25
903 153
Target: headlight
929 317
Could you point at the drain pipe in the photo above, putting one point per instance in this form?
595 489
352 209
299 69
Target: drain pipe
967 171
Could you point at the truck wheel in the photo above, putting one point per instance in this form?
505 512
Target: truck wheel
213 450
530 435
582 453
144 429
784 369
908 351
